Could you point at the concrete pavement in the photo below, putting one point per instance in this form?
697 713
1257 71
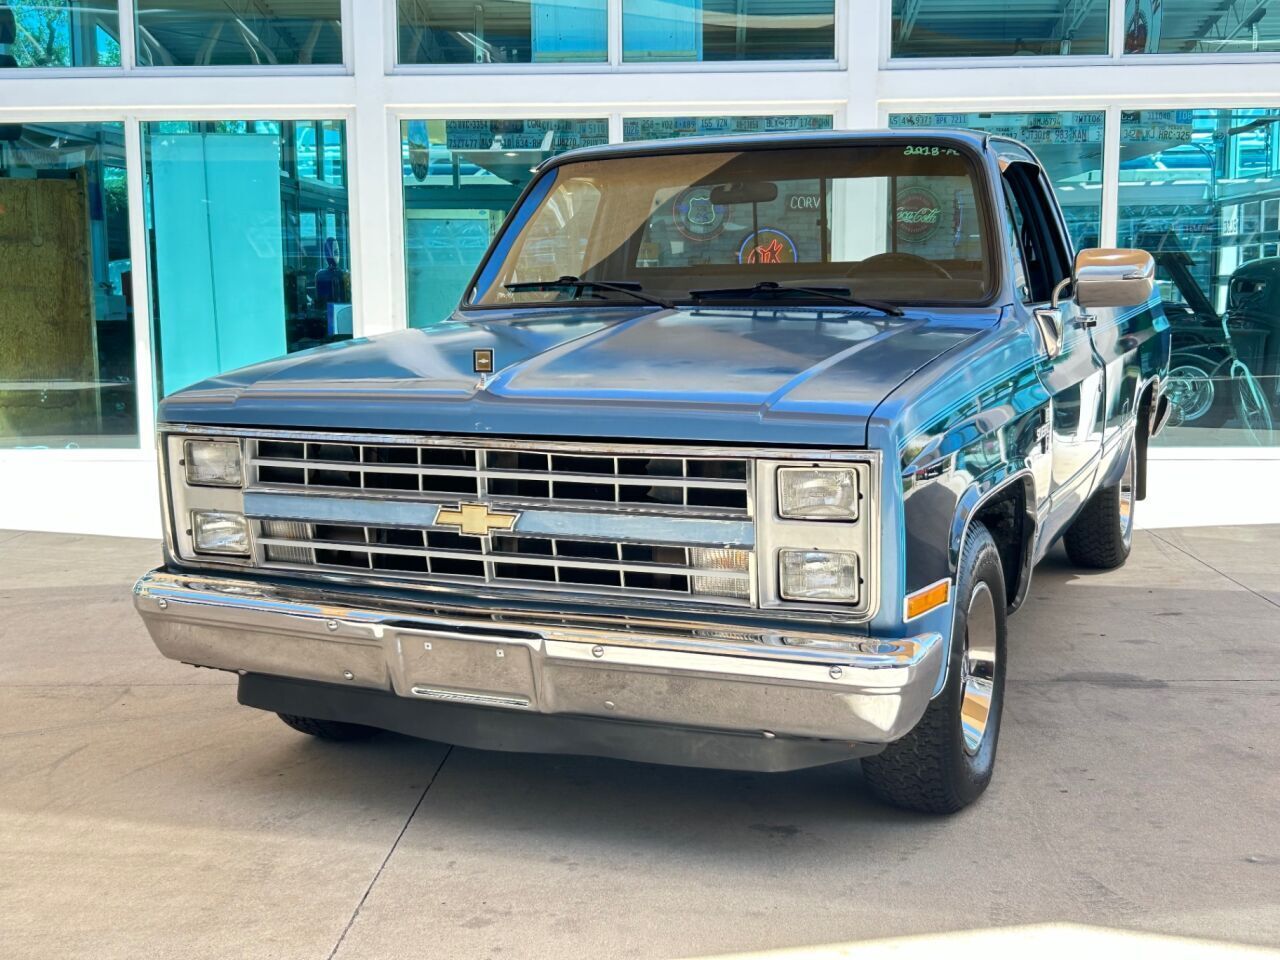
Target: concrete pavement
144 814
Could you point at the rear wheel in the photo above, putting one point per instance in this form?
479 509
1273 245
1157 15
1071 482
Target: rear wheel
1102 536
945 763
328 729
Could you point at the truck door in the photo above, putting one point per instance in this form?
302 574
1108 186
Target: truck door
1076 377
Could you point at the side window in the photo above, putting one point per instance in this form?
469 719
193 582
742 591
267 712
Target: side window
1045 257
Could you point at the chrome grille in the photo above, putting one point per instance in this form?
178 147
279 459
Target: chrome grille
713 486
660 569
629 519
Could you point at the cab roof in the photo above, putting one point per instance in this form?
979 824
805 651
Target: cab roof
975 141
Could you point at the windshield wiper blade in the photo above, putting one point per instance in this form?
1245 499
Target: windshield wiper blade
633 290
769 287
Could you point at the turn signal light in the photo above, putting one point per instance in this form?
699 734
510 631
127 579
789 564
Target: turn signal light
930 598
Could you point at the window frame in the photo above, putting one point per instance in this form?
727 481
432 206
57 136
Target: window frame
1114 55
127 26
614 62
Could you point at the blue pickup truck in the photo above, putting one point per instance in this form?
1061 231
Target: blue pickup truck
736 453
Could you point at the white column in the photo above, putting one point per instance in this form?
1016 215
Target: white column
862 31
374 176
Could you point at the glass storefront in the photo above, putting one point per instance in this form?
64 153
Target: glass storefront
59 33
1068 144
727 30
203 33
1200 189
249 240
67 372
1195 26
503 31
460 179
1000 28
668 128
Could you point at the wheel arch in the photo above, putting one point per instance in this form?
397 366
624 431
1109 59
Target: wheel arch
1012 502
1008 509
1152 411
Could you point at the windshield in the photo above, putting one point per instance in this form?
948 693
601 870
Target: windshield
890 223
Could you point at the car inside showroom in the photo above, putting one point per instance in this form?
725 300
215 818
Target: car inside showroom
322 366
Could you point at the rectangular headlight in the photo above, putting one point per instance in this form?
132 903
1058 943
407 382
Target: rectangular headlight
818 493
818 575
213 463
714 558
219 531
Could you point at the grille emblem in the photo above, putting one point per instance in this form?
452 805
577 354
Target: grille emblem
476 519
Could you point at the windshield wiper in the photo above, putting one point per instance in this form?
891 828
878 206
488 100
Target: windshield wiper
770 288
633 290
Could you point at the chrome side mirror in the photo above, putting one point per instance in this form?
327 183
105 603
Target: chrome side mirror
1049 320
1113 277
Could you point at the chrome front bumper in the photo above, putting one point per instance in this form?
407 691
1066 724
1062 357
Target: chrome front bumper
794 684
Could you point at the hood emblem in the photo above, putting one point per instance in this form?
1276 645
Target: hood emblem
482 361
476 519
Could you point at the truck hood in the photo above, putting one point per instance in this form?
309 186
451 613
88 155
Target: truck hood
732 375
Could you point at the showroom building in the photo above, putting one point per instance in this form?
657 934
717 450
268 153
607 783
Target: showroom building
187 186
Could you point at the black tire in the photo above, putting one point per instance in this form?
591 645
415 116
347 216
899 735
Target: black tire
1101 537
329 729
936 768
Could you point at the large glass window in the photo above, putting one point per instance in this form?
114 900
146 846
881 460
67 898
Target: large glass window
205 33
999 28
1200 189
59 33
460 179
669 128
249 239
1068 144
727 30
66 301
503 31
1200 26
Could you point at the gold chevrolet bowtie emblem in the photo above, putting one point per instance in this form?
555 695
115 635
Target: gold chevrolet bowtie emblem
476 519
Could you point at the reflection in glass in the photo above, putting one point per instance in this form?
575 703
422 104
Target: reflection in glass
460 179
879 222
66 303
503 31
1068 144
999 28
1194 26
59 33
669 128
205 33
727 30
1200 189
249 237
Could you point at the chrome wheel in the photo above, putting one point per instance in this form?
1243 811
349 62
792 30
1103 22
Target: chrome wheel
1126 500
1191 391
978 667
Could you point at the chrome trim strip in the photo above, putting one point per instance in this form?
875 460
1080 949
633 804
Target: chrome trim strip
477 699
559 476
372 513
545 523
723 452
529 559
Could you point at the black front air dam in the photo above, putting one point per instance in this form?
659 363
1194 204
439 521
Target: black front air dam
492 729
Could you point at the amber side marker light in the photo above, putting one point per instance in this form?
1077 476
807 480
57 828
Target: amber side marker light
930 598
